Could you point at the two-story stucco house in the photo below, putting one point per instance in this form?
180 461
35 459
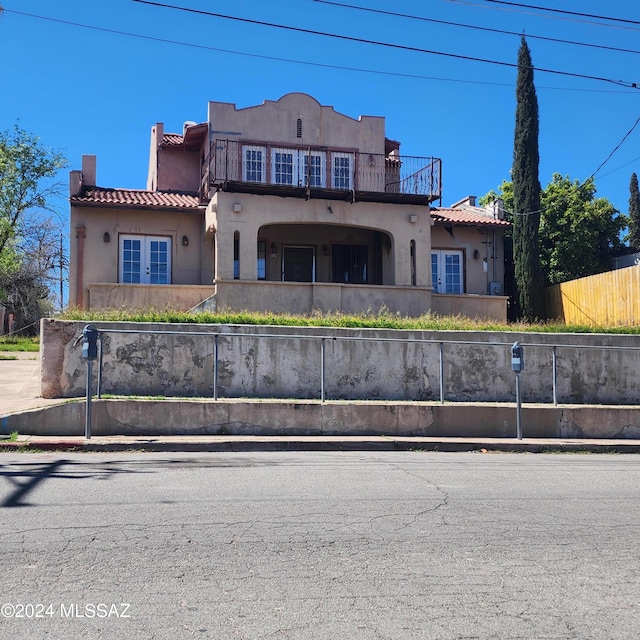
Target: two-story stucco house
287 206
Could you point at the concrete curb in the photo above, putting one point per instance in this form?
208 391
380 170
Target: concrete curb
338 443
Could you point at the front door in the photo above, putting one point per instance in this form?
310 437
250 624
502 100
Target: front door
298 264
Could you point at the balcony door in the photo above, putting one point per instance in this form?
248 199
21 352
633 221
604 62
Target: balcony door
145 259
298 264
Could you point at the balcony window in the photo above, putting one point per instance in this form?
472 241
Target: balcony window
284 165
253 163
315 169
342 171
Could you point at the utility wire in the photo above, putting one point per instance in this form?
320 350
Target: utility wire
512 65
193 45
472 3
476 27
578 14
626 135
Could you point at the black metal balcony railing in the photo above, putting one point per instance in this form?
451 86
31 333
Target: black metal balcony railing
232 161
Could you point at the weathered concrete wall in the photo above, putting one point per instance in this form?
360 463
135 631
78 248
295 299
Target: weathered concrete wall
294 417
390 365
147 296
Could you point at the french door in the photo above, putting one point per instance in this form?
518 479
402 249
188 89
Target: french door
446 271
145 259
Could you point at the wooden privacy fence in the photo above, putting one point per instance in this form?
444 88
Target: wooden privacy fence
606 299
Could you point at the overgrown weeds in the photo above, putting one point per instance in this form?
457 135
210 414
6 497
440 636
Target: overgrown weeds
382 319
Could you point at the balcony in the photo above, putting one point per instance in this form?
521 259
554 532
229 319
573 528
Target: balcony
312 172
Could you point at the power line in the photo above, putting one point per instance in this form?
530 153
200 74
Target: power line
472 3
565 12
290 60
476 27
512 65
626 135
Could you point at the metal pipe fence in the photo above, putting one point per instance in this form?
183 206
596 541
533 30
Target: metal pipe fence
325 367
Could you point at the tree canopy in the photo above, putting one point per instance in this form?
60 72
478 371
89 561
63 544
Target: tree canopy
29 231
579 233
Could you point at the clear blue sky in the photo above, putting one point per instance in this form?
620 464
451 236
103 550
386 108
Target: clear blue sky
85 91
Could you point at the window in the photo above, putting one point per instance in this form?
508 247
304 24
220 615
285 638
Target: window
236 255
298 167
262 260
314 169
145 259
350 263
284 166
446 271
342 171
412 251
253 163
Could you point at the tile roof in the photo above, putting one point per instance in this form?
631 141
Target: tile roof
472 216
172 140
99 196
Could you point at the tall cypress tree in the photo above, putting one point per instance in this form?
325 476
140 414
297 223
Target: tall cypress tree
526 192
634 213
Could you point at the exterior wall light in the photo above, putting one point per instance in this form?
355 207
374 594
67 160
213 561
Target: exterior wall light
237 207
185 241
274 250
106 237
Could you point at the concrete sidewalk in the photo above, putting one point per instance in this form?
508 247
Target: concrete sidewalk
314 443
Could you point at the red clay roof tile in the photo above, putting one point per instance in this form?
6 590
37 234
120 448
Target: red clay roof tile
172 139
473 217
99 196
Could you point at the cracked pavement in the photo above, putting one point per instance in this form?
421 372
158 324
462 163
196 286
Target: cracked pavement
322 545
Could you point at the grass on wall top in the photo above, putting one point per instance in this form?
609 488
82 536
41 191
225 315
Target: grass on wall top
383 319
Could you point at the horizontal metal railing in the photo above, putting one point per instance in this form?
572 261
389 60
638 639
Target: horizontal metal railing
322 363
321 168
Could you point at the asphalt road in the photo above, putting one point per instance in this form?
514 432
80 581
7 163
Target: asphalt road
319 545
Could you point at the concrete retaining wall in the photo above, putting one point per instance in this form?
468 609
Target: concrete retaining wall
232 417
389 365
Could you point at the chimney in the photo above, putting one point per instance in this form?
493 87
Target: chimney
469 201
89 171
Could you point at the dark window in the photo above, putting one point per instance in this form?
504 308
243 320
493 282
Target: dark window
350 263
236 256
262 260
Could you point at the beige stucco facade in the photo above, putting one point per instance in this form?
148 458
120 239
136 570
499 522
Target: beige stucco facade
286 206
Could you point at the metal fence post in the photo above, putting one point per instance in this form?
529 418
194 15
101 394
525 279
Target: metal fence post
215 366
322 369
555 376
441 363
99 389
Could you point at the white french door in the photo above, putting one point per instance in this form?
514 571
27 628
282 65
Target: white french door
446 271
145 259
298 167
